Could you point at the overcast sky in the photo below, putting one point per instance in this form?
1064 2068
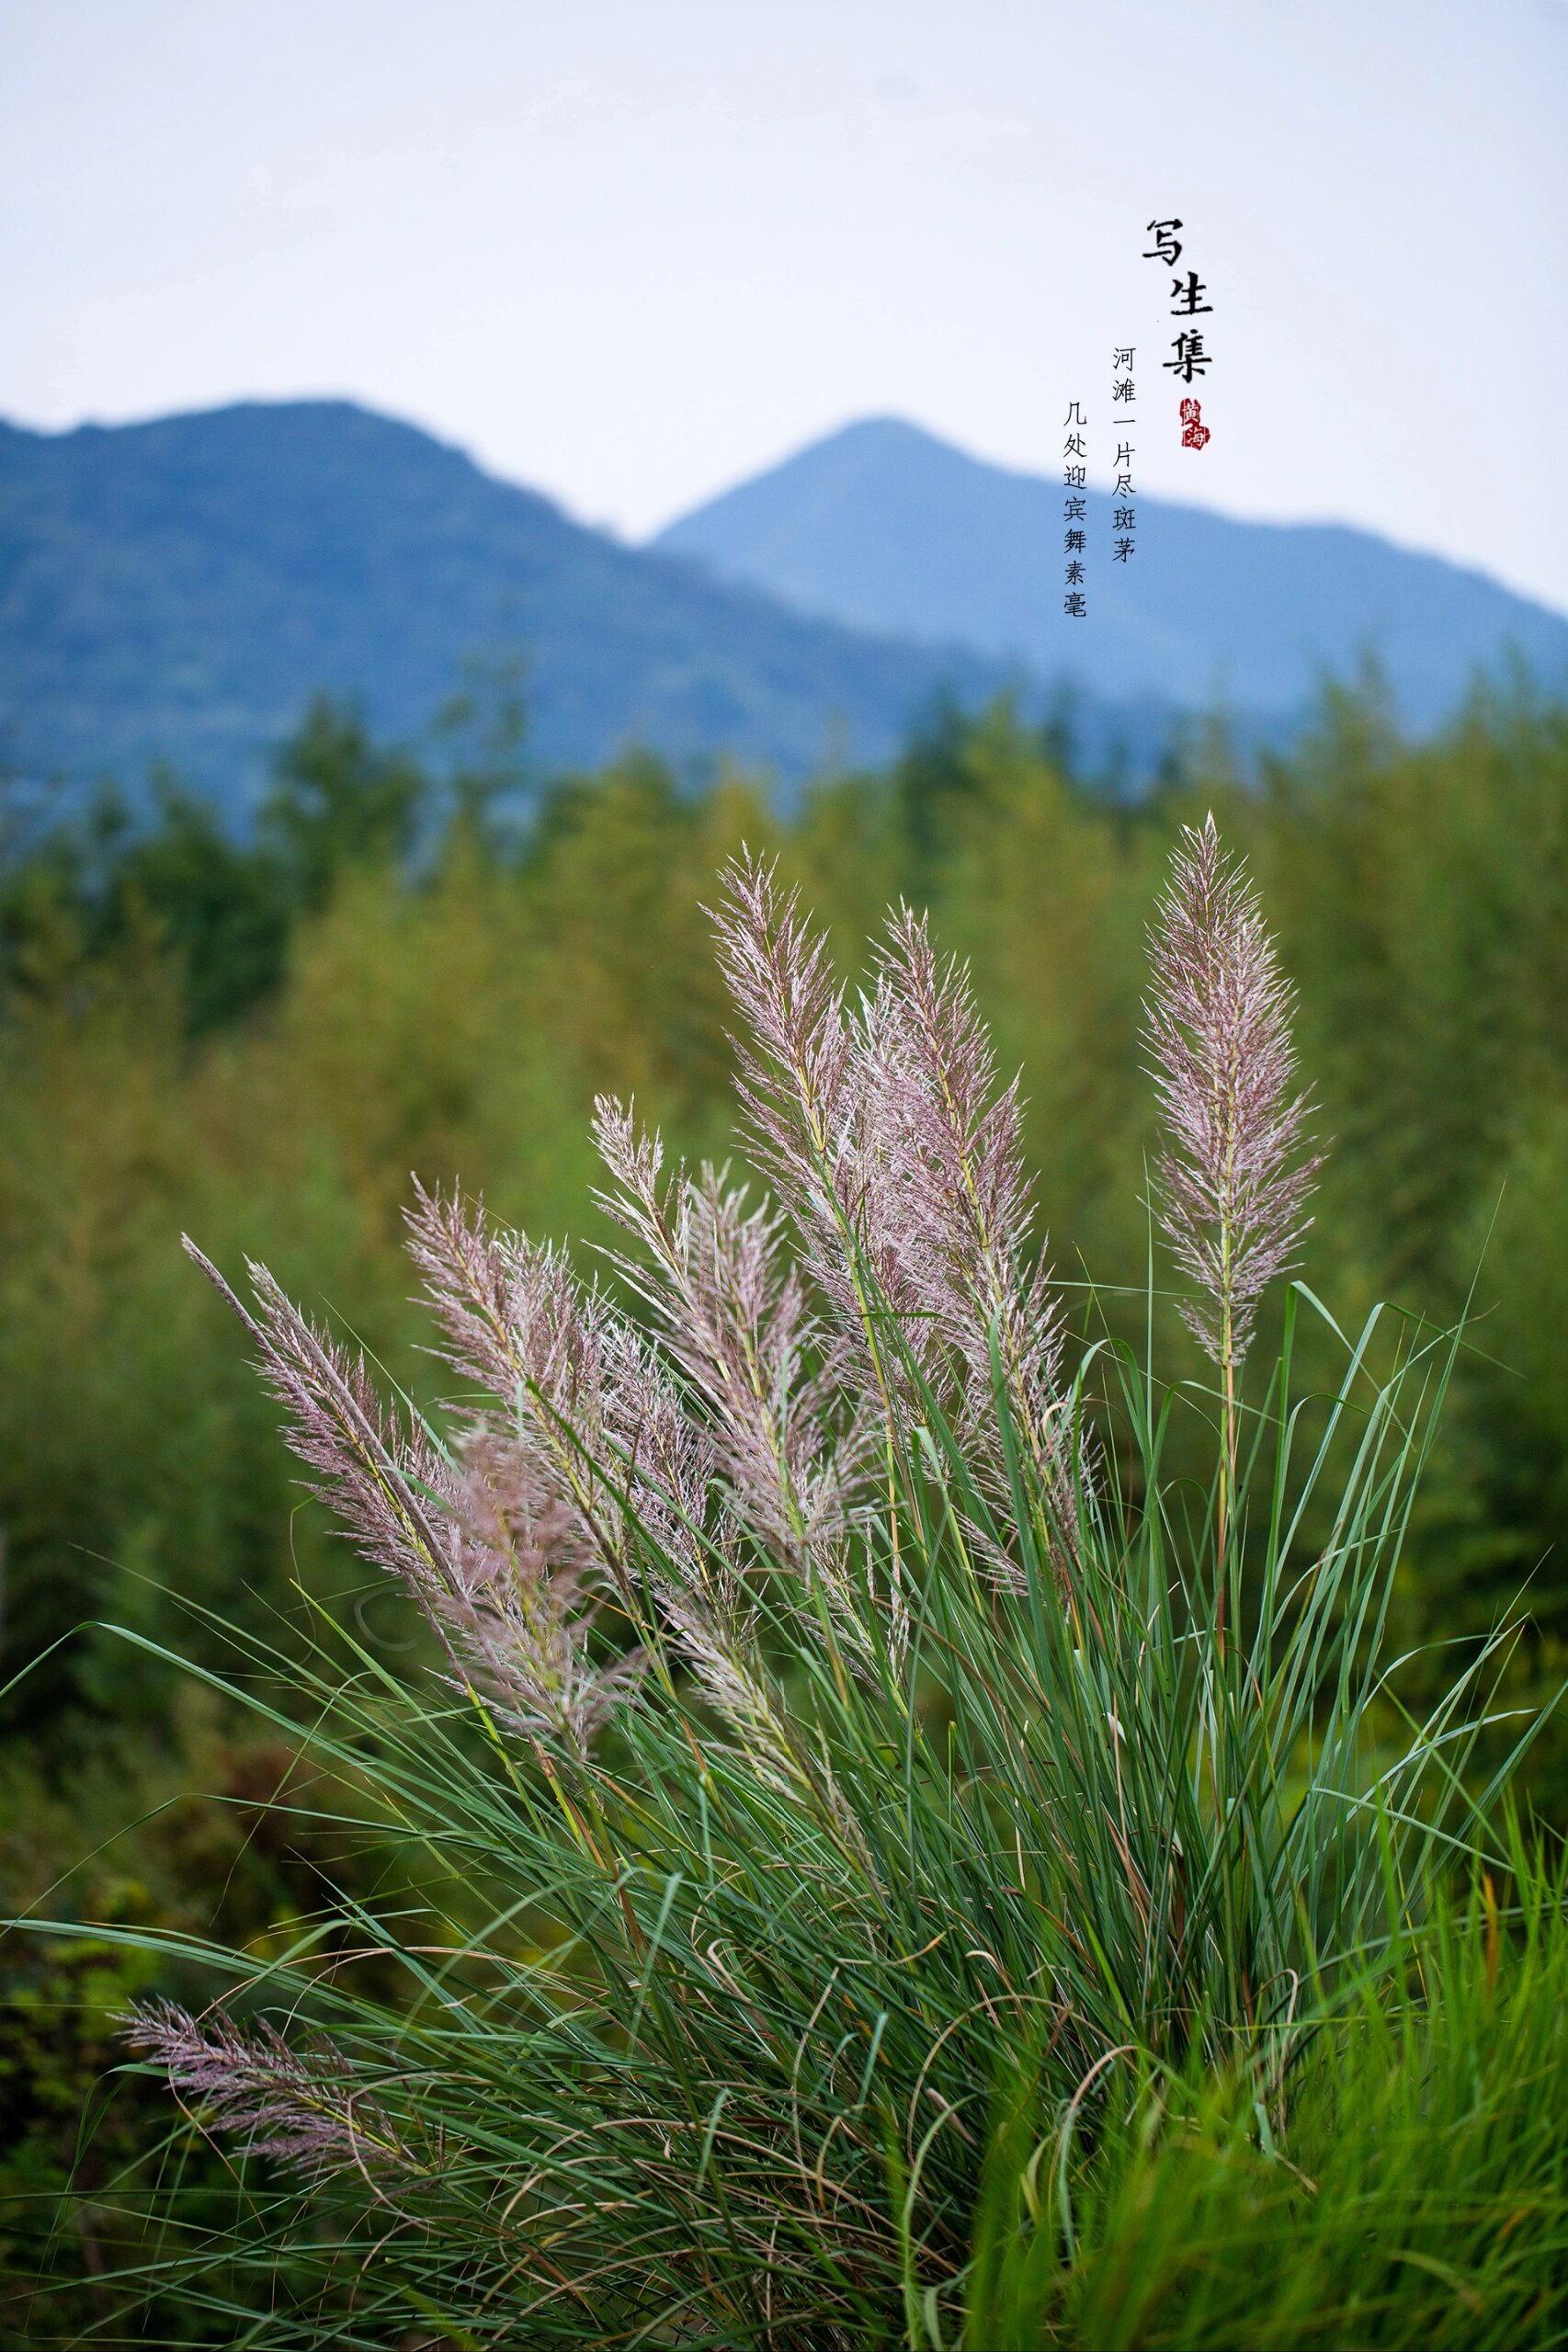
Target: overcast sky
629 251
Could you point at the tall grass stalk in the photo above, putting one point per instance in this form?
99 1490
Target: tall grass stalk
834 1710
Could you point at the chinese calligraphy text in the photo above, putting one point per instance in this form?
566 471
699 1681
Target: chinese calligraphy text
1075 476
1123 404
1190 357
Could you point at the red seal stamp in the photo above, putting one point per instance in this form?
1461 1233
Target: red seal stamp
1194 432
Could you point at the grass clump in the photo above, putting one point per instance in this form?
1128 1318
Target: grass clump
1416 2196
848 1767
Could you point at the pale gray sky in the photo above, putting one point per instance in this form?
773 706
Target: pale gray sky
630 250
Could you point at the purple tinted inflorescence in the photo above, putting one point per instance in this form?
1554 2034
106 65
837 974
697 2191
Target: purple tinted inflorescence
302 2106
1219 1026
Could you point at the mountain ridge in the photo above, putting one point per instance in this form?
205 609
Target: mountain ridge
174 590
883 524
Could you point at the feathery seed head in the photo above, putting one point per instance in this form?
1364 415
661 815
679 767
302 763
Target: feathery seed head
1218 1025
302 2107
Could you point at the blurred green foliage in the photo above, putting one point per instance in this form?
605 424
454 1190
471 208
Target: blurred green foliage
261 1041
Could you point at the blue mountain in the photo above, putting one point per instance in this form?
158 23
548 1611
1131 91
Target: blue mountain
883 526
174 591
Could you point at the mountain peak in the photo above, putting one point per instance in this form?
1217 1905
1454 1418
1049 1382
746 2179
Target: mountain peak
880 524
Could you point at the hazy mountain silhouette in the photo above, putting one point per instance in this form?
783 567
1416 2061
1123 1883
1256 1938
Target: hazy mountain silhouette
174 590
883 526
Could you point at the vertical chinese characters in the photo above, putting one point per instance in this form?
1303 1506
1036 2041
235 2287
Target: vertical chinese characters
1074 509
1123 412
1191 357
